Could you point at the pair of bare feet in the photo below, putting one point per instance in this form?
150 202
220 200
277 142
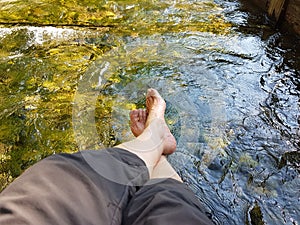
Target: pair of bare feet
153 138
140 119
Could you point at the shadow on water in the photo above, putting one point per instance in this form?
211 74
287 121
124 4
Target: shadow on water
231 82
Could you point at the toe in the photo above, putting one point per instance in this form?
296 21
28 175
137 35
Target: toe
143 115
133 114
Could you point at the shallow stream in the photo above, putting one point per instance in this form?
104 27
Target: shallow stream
70 72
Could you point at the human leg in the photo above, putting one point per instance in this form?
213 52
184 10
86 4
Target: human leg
164 202
164 199
164 170
88 186
156 138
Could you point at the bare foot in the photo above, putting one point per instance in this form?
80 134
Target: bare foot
138 119
156 107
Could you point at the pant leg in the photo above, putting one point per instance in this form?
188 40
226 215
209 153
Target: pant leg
164 203
69 189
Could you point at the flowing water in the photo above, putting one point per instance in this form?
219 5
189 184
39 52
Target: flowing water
71 70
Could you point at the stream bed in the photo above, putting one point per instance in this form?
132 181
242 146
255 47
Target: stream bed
70 72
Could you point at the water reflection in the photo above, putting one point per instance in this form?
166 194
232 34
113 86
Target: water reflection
230 80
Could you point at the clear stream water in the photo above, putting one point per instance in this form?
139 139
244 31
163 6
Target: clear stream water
70 71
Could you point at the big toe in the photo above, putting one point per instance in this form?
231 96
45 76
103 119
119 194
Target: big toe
151 92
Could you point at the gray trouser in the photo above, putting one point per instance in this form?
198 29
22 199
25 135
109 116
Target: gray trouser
107 187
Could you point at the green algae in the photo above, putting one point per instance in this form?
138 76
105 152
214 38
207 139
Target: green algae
39 70
37 89
127 17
